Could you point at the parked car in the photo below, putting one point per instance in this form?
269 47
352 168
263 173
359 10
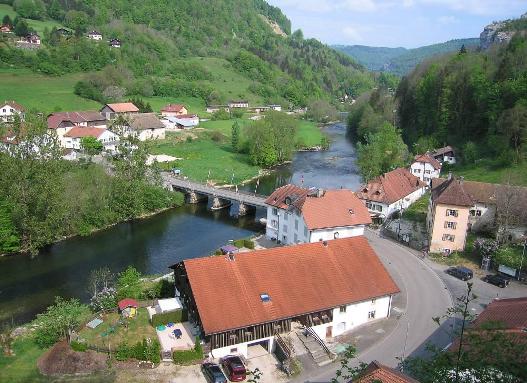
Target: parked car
213 373
234 368
463 273
496 280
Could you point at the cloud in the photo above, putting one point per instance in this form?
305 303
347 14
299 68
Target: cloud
353 34
447 20
359 5
477 7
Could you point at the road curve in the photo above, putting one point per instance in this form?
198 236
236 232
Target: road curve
426 297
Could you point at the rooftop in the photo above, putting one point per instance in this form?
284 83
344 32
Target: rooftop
511 313
298 279
427 158
376 372
123 107
55 119
13 105
391 186
79 132
173 108
144 121
451 192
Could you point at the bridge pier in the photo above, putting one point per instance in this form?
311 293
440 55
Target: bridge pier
244 209
220 203
193 197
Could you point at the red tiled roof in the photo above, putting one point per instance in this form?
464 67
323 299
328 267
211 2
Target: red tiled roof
451 192
427 158
299 279
376 372
173 108
127 302
335 208
296 194
123 107
391 187
13 105
55 119
511 313
80 131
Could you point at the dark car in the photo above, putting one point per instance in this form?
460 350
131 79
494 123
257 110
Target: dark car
213 373
463 273
234 368
496 280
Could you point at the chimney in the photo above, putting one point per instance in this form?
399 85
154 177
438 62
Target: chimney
325 243
320 192
449 176
231 256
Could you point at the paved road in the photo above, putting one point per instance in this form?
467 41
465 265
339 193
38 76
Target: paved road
427 297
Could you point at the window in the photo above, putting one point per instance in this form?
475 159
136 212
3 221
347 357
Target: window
296 224
286 216
427 171
305 231
378 207
449 237
342 309
336 235
275 211
274 223
451 213
418 170
284 238
284 228
426 179
373 301
296 237
368 204
234 350
265 297
371 314
450 225
475 213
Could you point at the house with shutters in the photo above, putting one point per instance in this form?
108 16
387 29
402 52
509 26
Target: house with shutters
299 215
246 300
73 138
94 35
145 126
391 192
60 123
234 104
10 109
174 110
444 154
425 167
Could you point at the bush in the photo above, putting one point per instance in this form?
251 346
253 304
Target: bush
239 243
79 346
217 136
176 316
221 114
248 244
186 357
143 351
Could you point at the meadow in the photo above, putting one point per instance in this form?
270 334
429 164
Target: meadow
37 25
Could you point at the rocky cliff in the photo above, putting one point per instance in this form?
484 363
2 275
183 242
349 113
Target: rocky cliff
498 32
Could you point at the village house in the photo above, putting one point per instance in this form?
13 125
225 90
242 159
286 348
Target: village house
425 167
111 111
275 107
115 43
72 138
377 372
216 108
444 154
4 28
174 110
234 104
145 126
33 38
61 122
241 301
31 41
298 215
94 35
10 109
64 32
184 121
391 192
457 206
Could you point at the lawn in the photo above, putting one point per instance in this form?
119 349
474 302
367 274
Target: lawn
466 258
486 173
43 93
308 134
37 25
194 105
203 155
138 328
417 211
23 366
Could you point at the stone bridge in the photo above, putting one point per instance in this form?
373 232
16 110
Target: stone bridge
221 198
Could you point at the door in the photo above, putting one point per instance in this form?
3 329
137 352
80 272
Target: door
329 331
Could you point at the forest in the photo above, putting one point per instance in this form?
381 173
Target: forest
286 69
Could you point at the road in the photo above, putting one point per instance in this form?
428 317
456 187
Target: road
427 292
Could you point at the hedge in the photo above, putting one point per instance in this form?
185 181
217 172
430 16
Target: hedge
78 346
140 351
187 357
249 244
176 316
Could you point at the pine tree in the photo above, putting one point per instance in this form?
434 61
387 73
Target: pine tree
235 136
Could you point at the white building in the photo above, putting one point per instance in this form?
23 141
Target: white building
276 107
425 167
94 35
391 192
10 109
444 154
145 126
72 138
61 122
240 302
238 104
299 215
185 121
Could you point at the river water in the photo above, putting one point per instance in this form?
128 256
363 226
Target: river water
29 285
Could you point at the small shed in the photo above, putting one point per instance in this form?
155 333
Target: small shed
229 249
128 307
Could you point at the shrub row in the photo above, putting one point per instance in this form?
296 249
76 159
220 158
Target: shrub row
249 244
78 346
144 350
176 316
186 357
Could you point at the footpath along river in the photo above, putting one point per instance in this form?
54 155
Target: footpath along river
29 285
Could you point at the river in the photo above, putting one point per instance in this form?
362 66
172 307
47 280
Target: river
29 285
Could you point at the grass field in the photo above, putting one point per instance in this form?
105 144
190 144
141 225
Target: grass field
37 25
22 367
193 104
43 93
308 134
138 328
417 211
487 173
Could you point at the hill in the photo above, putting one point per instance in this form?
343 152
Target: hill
210 50
401 61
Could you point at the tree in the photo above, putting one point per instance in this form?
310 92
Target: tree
347 372
21 28
129 283
513 125
7 21
322 111
59 321
462 50
55 11
9 239
99 279
235 136
31 9
114 92
470 152
77 20
7 338
91 146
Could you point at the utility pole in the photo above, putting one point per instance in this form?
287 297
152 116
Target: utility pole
523 254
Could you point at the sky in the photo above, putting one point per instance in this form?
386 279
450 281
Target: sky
396 23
